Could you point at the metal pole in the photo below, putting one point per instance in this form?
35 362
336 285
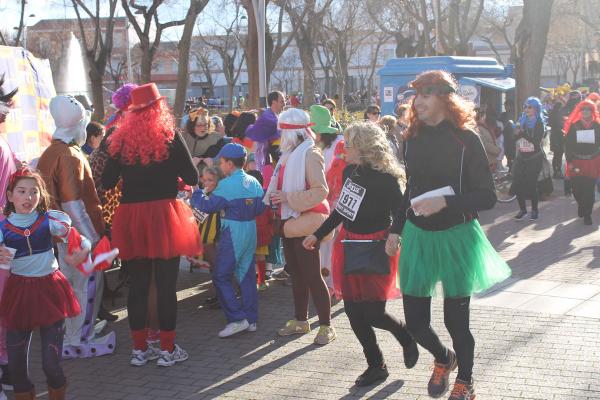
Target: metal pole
129 69
436 9
259 13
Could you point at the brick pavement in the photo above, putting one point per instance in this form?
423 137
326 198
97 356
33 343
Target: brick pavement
520 354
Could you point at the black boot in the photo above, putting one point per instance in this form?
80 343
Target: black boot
372 375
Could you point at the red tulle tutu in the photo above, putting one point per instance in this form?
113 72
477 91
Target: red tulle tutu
31 302
155 229
589 168
357 287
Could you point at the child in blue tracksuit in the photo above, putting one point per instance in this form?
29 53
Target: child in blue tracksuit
239 199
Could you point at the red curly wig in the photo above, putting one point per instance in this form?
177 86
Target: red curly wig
460 112
143 136
576 115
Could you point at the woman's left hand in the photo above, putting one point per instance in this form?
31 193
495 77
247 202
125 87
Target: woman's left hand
76 258
278 197
427 207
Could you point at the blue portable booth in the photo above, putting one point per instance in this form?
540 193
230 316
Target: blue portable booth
482 80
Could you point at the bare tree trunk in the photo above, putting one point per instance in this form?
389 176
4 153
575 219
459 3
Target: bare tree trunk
146 64
308 65
531 38
97 95
196 6
230 87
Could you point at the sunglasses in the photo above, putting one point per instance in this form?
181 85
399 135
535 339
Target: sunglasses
201 125
527 107
375 113
590 109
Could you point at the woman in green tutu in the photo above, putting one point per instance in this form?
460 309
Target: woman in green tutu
449 180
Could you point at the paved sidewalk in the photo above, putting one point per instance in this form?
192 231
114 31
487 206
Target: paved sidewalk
536 334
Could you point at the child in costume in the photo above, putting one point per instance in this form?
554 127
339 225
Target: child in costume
264 235
68 177
239 199
37 294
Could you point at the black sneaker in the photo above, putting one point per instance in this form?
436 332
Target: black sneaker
372 375
587 220
439 382
104 315
521 215
535 215
411 354
462 390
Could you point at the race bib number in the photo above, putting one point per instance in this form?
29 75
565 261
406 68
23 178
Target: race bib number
525 146
199 215
587 136
350 199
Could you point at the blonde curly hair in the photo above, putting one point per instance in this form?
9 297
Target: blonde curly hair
373 148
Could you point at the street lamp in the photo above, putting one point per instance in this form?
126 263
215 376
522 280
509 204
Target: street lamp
259 12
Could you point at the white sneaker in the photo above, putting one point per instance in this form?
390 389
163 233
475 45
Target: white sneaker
141 357
252 327
167 359
234 327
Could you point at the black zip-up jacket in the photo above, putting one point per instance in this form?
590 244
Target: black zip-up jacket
440 156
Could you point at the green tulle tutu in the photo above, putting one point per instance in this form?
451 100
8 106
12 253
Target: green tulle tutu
462 258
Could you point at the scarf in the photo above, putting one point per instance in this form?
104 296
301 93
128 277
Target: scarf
295 178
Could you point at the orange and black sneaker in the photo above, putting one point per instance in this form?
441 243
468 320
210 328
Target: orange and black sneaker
463 390
439 382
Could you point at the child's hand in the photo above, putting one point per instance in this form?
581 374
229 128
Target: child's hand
6 256
76 258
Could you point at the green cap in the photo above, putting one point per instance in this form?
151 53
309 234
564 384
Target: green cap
321 118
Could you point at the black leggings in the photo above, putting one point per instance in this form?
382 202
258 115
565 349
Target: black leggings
140 273
534 202
17 346
583 191
417 311
364 316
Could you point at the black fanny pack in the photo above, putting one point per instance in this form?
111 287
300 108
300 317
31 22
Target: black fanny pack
366 257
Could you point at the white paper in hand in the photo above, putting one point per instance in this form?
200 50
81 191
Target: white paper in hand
441 192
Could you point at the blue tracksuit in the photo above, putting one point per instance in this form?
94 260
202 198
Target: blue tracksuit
239 199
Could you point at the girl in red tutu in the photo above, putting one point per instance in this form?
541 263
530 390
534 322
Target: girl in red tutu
37 295
150 227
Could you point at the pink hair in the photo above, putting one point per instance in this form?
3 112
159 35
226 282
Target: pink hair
143 136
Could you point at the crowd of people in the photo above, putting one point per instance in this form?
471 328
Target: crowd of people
373 211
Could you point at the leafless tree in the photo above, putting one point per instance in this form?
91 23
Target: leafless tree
97 42
345 32
151 25
185 42
499 26
394 19
228 48
531 38
207 65
306 16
